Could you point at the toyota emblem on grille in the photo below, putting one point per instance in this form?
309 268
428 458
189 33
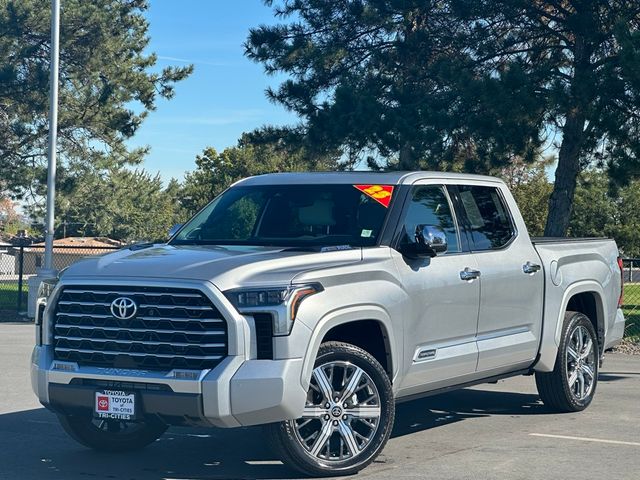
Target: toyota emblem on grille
123 308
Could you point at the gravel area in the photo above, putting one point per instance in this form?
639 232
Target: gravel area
629 347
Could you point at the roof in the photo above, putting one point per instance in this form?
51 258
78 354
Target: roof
89 242
360 177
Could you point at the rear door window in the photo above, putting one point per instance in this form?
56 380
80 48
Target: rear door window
487 217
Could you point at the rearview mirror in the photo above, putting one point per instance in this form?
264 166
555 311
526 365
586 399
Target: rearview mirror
173 230
429 242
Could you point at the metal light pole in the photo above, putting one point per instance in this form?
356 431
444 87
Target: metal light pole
49 271
53 137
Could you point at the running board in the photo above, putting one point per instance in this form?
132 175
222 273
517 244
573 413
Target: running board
438 391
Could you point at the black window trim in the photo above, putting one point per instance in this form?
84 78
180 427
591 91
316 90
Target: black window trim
387 238
465 234
467 224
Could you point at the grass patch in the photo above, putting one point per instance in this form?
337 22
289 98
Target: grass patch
9 295
631 309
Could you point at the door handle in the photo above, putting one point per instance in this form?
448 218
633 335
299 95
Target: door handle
468 274
530 268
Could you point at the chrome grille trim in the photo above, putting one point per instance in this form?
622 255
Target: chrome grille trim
141 330
120 292
156 306
80 315
177 319
175 328
214 320
161 307
210 357
141 342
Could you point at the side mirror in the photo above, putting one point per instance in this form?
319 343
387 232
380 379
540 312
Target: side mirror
173 230
429 241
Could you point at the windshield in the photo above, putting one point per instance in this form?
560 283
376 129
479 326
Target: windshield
289 216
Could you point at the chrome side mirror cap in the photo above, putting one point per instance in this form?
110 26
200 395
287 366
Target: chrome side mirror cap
429 242
432 237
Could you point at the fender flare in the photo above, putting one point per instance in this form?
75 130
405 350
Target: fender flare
585 286
343 316
550 341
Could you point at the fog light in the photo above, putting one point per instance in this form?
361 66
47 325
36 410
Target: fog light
65 367
185 374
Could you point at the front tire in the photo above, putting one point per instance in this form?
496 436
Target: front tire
347 419
112 435
572 384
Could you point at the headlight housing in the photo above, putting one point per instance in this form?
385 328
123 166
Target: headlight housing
282 302
46 289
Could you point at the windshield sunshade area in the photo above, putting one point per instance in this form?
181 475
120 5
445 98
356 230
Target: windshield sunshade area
288 216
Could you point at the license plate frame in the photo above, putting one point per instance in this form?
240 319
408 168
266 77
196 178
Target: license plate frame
115 405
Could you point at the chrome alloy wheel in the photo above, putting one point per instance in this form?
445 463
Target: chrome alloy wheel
581 363
342 412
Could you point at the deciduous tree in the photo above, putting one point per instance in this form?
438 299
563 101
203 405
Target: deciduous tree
123 204
215 171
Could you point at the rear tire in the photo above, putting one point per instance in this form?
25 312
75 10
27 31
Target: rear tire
348 415
571 386
111 435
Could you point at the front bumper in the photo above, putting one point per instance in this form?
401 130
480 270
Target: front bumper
238 392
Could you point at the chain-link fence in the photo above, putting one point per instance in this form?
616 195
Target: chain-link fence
631 299
19 263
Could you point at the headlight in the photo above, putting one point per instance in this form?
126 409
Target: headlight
46 288
281 302
44 292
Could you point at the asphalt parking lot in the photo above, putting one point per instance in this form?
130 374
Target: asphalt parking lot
497 431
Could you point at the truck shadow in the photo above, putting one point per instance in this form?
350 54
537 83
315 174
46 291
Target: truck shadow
452 407
33 445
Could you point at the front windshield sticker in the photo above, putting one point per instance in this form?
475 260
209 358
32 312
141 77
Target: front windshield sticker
380 193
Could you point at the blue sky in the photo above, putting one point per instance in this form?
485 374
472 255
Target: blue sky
225 94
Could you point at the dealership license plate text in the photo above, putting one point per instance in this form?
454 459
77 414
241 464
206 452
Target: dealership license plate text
115 404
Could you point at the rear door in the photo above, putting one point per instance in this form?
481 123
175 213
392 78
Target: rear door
511 280
440 324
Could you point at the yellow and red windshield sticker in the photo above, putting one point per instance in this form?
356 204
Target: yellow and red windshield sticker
380 193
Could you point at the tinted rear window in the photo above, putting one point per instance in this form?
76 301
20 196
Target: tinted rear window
487 217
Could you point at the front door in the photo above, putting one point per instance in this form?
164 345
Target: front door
440 326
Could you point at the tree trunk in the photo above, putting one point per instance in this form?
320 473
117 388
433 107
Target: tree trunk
561 200
573 135
407 158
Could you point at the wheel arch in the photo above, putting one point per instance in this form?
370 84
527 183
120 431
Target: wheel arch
348 325
586 297
590 304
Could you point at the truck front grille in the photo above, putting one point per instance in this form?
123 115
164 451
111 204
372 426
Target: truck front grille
172 328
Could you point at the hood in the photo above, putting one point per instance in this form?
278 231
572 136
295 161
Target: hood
226 267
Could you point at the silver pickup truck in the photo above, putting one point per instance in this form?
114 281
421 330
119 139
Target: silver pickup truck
311 303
